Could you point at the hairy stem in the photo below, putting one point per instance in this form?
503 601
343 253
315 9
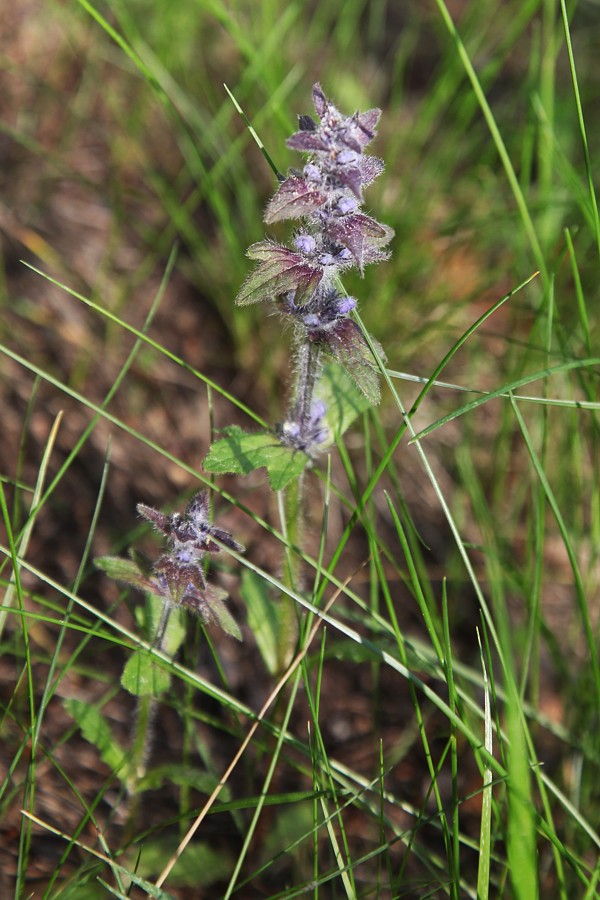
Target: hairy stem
308 372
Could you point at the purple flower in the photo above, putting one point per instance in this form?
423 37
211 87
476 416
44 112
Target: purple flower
178 573
305 243
346 205
345 305
189 534
312 172
335 235
177 576
337 143
307 433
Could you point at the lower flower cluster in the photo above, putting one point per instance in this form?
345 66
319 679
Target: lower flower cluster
178 575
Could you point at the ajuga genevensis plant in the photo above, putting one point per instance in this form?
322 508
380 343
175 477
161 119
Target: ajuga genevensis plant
303 283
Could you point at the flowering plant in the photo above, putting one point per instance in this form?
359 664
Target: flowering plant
303 281
177 577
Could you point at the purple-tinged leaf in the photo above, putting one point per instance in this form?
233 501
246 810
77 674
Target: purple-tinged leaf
320 100
280 270
350 137
344 341
350 177
160 521
295 198
198 599
360 234
371 167
198 508
373 253
358 130
308 142
367 122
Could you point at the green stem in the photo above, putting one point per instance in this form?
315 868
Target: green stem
145 716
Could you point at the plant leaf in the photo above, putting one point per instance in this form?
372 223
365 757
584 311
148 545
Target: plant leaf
126 571
142 677
223 618
362 235
184 776
96 731
263 618
346 343
202 868
295 198
279 270
342 398
307 142
175 632
239 453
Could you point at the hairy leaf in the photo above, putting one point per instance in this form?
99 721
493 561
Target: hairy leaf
125 570
239 453
307 142
295 198
223 618
342 398
263 618
143 677
280 270
371 167
362 235
96 731
346 343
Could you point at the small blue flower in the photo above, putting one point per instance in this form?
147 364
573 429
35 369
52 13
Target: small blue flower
306 434
346 205
305 243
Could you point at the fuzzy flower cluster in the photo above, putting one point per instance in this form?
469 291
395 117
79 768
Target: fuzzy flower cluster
335 235
178 575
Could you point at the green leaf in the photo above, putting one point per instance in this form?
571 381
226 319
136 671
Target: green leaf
223 617
263 618
202 868
125 570
96 731
142 677
150 889
344 401
239 453
183 776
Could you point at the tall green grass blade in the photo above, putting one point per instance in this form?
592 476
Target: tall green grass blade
582 129
507 389
485 832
